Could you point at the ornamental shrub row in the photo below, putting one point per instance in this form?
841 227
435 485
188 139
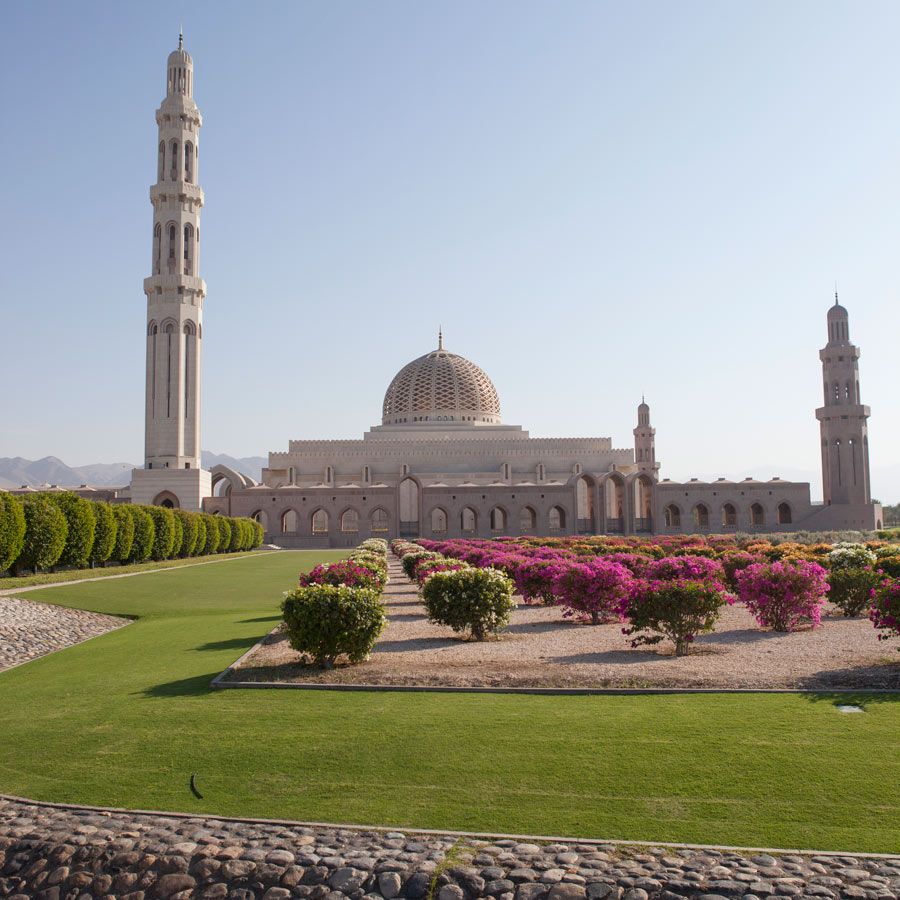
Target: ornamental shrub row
336 611
42 530
680 595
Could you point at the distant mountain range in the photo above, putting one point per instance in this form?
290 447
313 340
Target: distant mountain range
16 471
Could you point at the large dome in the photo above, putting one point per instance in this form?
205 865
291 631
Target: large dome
441 387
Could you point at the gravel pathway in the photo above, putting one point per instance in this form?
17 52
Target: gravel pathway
55 853
29 630
541 649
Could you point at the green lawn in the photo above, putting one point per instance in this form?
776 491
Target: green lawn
123 720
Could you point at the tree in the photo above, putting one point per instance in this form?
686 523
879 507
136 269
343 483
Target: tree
12 529
163 531
144 534
82 525
124 532
104 533
46 530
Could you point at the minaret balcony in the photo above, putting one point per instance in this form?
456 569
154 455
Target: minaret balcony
169 284
843 410
173 191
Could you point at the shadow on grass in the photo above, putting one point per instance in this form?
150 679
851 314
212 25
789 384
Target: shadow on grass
183 687
230 644
862 700
275 617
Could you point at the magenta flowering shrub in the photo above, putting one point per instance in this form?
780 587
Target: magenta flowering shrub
343 572
636 563
734 562
535 579
593 591
425 568
781 595
686 568
885 611
674 609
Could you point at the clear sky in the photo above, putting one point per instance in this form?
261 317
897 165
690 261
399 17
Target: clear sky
594 199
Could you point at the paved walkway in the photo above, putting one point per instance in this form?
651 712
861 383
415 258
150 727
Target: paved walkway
53 853
29 630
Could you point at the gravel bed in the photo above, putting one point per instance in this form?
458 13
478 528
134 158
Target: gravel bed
55 854
29 630
542 649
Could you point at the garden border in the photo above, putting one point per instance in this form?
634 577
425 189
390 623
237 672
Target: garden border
221 683
489 835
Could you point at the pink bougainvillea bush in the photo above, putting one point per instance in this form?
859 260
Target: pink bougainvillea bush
344 572
885 611
674 609
782 595
592 591
686 568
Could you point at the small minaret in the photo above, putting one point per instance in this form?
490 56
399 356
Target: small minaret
842 419
175 293
645 442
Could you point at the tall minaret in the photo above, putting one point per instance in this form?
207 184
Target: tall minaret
645 442
842 420
175 293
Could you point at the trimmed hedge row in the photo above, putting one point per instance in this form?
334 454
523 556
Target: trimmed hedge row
42 530
337 609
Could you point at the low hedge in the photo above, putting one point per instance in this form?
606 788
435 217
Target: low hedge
325 621
95 532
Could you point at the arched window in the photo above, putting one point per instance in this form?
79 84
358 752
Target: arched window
188 249
785 516
848 392
161 166
173 156
673 516
584 501
729 516
438 521
350 522
701 517
757 515
836 392
498 520
290 521
527 520
556 519
468 520
157 248
261 517
379 521
320 522
188 361
188 162
173 243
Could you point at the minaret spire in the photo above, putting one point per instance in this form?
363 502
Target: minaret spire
180 37
440 338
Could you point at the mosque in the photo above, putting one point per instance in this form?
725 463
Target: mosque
442 463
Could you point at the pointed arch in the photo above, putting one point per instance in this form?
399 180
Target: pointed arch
584 503
290 521
379 521
672 515
527 520
757 515
556 520
498 520
350 521
729 517
468 520
700 515
167 499
784 514
319 521
438 518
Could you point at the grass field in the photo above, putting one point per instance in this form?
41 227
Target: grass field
124 720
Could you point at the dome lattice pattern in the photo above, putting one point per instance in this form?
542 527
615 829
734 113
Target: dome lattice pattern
441 387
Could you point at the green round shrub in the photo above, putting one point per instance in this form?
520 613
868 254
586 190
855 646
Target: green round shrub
237 534
144 534
478 599
189 526
213 534
177 536
850 589
46 530
223 523
163 531
12 529
105 527
259 534
82 524
325 621
124 532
